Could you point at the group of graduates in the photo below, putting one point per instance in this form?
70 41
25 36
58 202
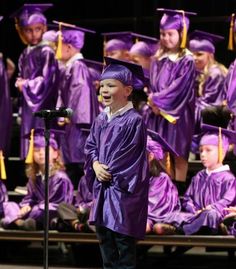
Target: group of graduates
172 83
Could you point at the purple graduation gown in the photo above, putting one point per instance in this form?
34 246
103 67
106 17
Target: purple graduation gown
38 65
3 198
60 190
210 92
5 110
173 93
77 93
84 197
163 198
217 189
120 204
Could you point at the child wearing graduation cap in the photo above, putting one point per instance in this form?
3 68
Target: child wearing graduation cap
117 45
38 67
163 195
172 75
77 92
210 77
212 189
29 214
116 167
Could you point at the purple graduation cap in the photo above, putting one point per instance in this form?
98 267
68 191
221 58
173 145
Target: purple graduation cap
217 136
117 41
37 140
203 41
72 34
95 68
176 19
157 143
144 45
126 72
30 14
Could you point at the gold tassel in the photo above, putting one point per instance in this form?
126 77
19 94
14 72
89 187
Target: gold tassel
168 163
59 44
2 166
21 35
220 147
184 32
30 158
104 45
231 33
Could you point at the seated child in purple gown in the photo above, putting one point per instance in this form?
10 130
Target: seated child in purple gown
74 217
29 214
163 194
212 189
116 167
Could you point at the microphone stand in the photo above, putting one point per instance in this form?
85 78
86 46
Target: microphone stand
46 203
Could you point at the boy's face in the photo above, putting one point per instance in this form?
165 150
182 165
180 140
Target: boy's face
115 94
33 33
209 156
118 54
170 39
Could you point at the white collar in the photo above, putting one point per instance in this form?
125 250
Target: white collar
121 111
77 56
219 169
175 56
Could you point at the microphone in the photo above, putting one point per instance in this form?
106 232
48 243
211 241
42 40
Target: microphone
60 112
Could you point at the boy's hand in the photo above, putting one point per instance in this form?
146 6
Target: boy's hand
24 210
101 171
20 83
154 108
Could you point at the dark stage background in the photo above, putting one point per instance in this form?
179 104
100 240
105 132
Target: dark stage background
120 15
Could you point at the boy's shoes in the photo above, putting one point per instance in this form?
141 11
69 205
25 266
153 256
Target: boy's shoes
164 229
228 221
223 229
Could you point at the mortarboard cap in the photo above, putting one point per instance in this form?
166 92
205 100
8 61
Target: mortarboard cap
161 141
117 41
37 140
95 68
128 73
176 19
31 14
217 136
70 34
203 41
144 45
158 146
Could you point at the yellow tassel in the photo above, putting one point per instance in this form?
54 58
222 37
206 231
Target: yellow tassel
100 99
30 158
184 32
168 117
59 44
104 46
2 166
231 33
168 164
19 31
220 147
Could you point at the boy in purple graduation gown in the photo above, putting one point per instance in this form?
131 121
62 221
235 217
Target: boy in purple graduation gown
29 214
37 69
212 189
210 77
162 195
76 91
116 167
172 75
